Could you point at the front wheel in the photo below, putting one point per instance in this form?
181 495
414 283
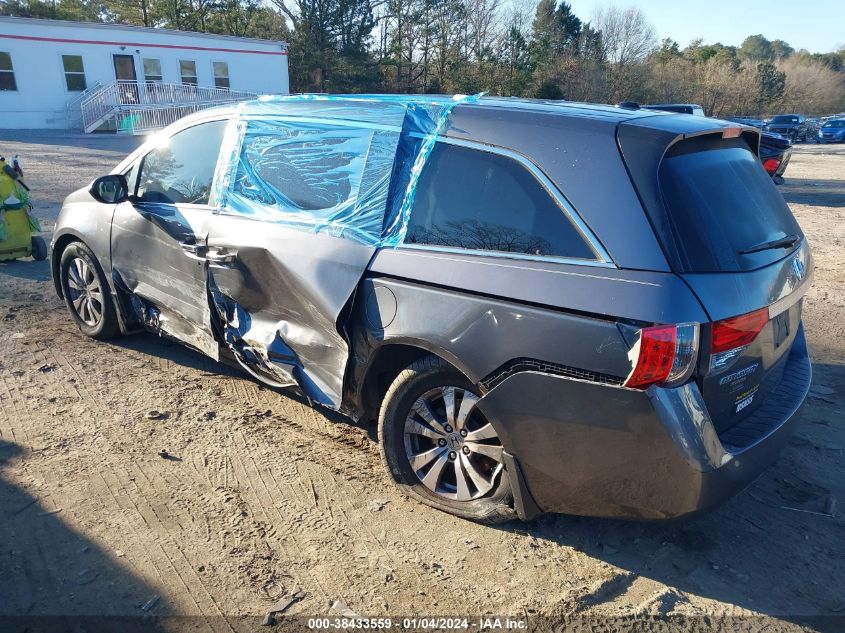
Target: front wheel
86 292
438 446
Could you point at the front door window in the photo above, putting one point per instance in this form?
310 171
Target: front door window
181 172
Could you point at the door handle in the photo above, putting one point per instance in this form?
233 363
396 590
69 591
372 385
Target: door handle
192 249
222 256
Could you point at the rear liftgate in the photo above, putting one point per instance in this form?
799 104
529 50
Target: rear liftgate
307 189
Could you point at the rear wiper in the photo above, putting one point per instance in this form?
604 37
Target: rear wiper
784 242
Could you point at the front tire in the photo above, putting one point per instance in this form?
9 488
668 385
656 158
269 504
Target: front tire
86 292
438 447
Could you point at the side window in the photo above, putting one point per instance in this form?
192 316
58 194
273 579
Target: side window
152 70
188 72
74 73
302 167
131 175
7 73
182 170
478 200
221 74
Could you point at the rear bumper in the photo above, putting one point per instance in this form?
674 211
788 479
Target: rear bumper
598 450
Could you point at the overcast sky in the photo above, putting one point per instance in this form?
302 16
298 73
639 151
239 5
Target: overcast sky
817 25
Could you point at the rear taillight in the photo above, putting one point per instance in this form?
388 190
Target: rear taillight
663 355
729 337
771 165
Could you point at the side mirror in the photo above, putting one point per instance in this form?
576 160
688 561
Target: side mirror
110 189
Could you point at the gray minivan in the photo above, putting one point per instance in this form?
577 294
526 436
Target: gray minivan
546 306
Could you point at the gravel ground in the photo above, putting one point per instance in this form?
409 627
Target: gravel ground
259 495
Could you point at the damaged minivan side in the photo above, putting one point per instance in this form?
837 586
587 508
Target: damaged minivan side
546 307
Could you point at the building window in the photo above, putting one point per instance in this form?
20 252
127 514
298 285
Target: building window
152 70
74 73
7 73
221 74
188 72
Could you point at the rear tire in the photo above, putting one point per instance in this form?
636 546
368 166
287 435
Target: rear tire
464 479
87 293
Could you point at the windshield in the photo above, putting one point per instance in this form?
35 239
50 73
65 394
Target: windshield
834 124
785 119
721 204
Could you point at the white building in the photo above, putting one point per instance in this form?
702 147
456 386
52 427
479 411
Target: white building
58 74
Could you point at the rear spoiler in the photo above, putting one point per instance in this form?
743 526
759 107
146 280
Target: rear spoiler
643 142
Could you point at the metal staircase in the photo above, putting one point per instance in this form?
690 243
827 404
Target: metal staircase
131 107
73 112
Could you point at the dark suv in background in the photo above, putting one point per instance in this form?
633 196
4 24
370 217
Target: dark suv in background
546 306
792 126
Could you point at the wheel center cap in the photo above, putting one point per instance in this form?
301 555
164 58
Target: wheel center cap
455 441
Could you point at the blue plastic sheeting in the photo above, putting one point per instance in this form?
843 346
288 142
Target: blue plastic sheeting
346 165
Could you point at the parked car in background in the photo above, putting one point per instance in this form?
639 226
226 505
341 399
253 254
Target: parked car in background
813 126
792 126
682 108
620 336
833 131
744 120
775 152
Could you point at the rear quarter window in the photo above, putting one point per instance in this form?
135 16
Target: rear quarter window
720 202
477 200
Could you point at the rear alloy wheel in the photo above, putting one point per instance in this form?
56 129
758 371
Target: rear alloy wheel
453 451
439 447
86 292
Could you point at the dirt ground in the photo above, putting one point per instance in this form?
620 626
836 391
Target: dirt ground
260 495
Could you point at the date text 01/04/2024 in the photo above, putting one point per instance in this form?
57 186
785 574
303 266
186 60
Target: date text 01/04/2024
417 623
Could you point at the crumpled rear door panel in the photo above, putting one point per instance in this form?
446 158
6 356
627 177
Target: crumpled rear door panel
279 297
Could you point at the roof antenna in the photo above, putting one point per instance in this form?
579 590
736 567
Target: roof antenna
628 105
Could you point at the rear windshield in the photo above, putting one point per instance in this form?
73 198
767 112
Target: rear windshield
720 203
785 119
836 124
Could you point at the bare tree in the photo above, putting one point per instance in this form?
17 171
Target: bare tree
626 34
812 86
724 89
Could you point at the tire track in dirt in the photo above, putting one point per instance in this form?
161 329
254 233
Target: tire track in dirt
94 393
190 581
8 396
175 579
225 462
257 483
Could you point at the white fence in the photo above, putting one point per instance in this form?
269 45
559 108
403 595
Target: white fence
137 107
